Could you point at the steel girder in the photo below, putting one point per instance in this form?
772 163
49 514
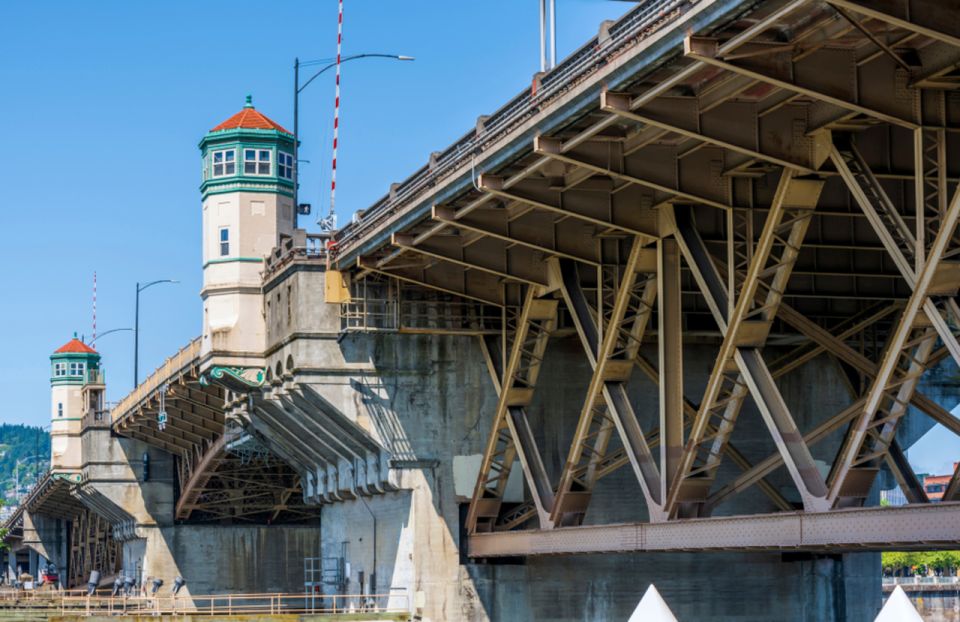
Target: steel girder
739 366
912 527
511 436
624 328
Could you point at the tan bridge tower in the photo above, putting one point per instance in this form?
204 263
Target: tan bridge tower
247 194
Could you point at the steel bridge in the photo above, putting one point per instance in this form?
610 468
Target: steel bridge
776 179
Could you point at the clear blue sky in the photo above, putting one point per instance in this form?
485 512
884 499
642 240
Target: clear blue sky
102 105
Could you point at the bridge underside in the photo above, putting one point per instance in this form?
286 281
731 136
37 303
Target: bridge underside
780 185
92 544
222 477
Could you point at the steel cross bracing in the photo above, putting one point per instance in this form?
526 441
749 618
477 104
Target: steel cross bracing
511 436
780 186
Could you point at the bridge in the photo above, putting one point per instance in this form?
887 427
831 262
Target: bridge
759 177
692 291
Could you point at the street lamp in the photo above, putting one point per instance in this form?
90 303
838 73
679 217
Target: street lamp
16 473
297 89
136 328
104 334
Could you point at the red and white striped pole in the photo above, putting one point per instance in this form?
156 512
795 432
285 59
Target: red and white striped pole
336 122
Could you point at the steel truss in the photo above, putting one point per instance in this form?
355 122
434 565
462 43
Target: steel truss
214 484
784 188
92 547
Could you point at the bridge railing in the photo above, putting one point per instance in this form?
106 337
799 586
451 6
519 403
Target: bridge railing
184 359
919 580
301 246
77 603
632 27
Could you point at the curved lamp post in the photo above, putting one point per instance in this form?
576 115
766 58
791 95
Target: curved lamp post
105 333
297 89
136 328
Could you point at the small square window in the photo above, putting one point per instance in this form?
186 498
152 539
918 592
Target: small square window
224 241
76 369
256 161
224 163
59 370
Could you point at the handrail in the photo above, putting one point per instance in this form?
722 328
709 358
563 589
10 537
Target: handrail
185 357
77 602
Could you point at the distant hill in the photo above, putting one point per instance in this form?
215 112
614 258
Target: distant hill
19 442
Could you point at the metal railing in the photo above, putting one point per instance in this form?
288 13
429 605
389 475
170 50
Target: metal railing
633 27
307 246
228 604
177 364
918 580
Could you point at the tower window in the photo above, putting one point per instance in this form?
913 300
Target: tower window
224 241
256 161
76 369
285 165
59 409
59 370
224 163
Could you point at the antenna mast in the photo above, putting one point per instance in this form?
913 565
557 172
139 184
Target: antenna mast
329 223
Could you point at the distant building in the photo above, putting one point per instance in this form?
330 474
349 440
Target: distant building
936 485
894 496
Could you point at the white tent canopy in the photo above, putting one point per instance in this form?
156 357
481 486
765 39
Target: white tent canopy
652 608
898 609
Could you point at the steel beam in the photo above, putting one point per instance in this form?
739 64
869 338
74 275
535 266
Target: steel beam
952 493
503 231
907 352
495 186
935 16
472 263
554 148
739 365
906 478
706 50
621 104
624 330
371 266
911 527
510 437
670 352
616 402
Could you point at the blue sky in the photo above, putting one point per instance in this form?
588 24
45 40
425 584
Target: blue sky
102 105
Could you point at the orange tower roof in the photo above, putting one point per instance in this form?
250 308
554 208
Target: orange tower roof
250 118
75 346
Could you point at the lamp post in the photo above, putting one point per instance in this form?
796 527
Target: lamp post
16 473
136 328
297 89
105 333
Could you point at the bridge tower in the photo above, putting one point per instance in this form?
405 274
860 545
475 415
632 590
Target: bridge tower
76 391
247 194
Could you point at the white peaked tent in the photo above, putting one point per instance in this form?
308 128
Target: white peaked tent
652 608
898 609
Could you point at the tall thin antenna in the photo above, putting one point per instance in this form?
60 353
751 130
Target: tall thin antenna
94 338
330 222
553 33
543 35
